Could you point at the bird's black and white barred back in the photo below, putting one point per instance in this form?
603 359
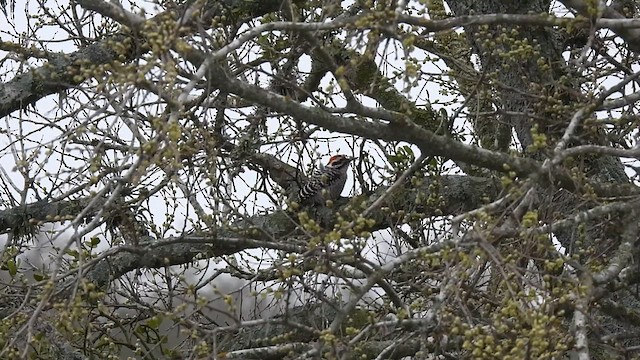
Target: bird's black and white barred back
326 182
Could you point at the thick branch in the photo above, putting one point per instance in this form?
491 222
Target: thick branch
459 193
13 219
66 72
630 34
399 129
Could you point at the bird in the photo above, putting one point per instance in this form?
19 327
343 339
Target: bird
326 182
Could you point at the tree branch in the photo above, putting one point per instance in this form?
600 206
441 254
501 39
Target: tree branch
66 71
272 231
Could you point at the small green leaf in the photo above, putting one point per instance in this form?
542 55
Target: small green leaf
73 253
93 242
407 149
12 267
154 322
394 159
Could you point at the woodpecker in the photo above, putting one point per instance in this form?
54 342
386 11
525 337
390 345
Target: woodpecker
326 182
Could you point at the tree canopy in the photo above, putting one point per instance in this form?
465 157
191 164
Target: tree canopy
151 153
